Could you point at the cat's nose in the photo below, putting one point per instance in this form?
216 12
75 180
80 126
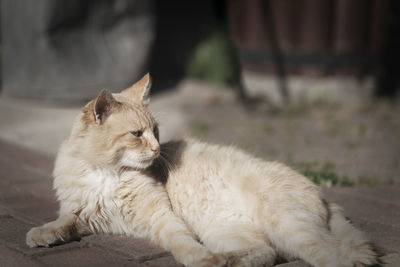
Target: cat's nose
156 150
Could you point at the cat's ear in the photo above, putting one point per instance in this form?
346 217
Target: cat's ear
103 106
140 90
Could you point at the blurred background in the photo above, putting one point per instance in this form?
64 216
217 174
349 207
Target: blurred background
312 83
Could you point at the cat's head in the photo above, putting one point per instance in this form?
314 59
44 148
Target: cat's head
118 130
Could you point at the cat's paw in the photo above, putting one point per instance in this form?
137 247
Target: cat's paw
43 237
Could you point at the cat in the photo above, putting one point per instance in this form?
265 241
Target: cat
209 205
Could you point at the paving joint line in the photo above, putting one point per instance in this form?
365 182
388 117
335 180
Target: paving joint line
140 259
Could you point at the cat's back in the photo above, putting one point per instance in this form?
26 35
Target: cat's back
195 162
212 178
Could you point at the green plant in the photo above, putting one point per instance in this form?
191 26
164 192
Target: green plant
198 128
322 175
214 60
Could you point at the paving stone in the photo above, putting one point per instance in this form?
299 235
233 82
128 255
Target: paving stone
40 190
4 211
391 260
32 209
382 193
29 208
87 257
27 194
13 232
13 173
10 258
298 263
389 195
26 158
138 248
374 210
168 261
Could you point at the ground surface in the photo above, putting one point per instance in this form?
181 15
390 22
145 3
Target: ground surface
359 141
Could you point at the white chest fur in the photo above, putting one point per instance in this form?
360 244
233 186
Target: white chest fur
93 196
101 182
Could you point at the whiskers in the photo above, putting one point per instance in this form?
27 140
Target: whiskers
164 163
172 147
161 167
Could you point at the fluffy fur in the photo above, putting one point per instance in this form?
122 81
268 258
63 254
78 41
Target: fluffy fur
208 205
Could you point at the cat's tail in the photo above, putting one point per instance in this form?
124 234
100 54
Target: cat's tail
353 245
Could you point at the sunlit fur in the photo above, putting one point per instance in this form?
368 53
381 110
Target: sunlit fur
208 205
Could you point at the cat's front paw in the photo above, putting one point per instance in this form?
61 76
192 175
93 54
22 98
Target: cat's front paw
43 237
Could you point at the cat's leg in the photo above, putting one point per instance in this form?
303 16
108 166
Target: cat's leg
305 235
148 213
65 228
170 232
242 244
353 244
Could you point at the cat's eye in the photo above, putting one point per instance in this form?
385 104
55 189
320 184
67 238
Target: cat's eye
137 133
155 131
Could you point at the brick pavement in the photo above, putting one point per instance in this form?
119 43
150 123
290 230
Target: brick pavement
26 200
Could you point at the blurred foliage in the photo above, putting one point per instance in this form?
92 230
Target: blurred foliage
324 175
198 128
214 60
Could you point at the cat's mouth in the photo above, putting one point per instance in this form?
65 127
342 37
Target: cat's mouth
147 161
136 161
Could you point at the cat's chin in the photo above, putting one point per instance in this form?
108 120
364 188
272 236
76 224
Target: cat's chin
143 164
138 165
131 160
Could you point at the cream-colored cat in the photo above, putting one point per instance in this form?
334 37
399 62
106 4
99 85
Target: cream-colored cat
208 205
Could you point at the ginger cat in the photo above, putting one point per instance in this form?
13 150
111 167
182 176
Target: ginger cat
208 205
